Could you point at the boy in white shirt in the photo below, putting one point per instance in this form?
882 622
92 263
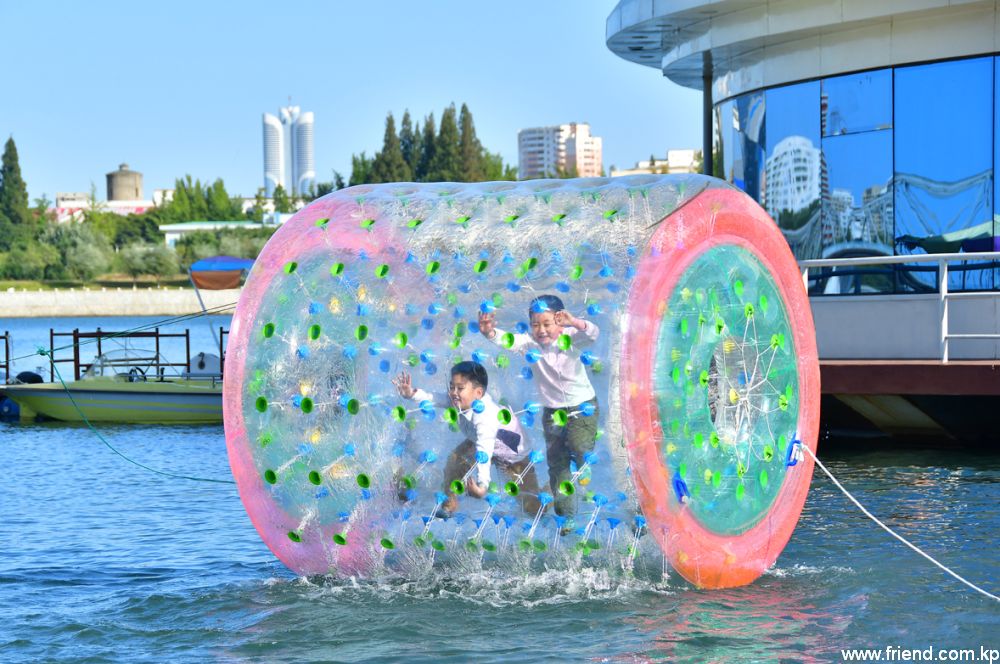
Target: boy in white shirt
571 409
479 420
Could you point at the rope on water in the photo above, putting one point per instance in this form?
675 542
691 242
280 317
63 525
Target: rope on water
44 353
891 531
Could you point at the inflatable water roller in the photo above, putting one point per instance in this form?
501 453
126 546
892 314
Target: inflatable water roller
705 369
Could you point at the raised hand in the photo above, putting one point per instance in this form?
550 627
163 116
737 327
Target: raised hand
404 385
565 319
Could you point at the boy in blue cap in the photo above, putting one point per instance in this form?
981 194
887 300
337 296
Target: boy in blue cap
569 399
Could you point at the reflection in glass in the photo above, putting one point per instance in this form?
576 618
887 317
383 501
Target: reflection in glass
738 142
857 102
857 208
747 165
722 159
944 165
793 170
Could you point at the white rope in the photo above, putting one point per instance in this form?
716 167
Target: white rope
890 530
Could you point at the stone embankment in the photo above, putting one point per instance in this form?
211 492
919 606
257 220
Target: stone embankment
15 303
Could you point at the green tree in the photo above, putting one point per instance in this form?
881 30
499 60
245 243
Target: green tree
16 221
282 203
470 150
256 213
83 254
221 207
495 169
27 260
446 164
361 169
389 164
153 259
409 143
321 189
428 143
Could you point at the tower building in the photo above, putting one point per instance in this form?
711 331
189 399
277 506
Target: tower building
288 151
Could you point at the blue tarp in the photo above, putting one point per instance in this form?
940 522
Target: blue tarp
222 264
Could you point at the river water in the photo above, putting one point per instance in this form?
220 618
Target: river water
101 560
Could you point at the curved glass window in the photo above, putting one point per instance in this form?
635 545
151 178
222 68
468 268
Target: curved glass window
793 177
856 103
944 165
858 208
891 161
740 142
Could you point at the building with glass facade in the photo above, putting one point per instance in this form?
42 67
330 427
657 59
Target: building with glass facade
863 128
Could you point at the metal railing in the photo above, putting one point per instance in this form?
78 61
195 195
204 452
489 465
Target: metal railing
882 265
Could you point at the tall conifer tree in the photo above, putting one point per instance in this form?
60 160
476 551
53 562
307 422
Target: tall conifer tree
389 165
446 165
470 149
408 143
427 149
15 216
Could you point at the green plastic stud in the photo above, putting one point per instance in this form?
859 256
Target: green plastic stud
361 332
290 267
480 266
314 332
564 342
315 478
381 271
268 330
504 416
270 476
306 405
432 267
560 418
294 536
364 481
261 404
337 269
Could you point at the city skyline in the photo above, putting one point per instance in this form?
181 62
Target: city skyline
187 96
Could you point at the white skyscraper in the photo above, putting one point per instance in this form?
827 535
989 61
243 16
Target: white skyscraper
288 151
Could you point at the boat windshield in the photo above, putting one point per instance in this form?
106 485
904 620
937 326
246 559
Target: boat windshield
131 363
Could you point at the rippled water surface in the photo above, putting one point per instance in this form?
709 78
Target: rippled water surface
101 560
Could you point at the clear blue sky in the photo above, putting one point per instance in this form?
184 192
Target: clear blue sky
176 88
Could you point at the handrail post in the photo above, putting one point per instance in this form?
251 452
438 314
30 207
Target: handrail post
943 296
805 278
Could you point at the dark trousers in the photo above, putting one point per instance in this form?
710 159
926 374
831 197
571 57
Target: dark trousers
462 458
564 444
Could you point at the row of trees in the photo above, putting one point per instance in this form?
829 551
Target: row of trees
449 152
34 246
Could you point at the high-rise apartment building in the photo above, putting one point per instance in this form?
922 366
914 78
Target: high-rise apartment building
550 151
288 151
